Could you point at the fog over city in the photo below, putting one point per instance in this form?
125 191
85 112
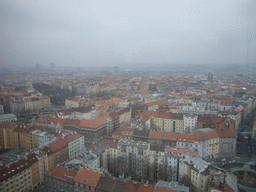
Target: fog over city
109 33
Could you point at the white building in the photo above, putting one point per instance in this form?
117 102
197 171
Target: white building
44 138
190 122
75 143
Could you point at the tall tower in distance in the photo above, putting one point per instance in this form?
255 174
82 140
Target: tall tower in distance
52 66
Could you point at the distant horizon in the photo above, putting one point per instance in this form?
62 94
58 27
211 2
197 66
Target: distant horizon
100 33
42 66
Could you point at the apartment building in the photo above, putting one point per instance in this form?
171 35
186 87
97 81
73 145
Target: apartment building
16 176
169 122
50 157
60 151
86 180
60 179
193 168
43 137
154 105
156 162
7 135
92 130
190 123
132 157
24 137
172 157
75 143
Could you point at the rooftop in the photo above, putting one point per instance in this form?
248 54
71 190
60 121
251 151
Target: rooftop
172 185
89 177
7 116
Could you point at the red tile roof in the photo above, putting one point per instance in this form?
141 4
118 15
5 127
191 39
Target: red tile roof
150 104
13 169
137 187
93 124
64 173
57 120
124 128
7 124
88 177
22 128
156 135
72 136
147 115
72 122
113 114
57 145
225 103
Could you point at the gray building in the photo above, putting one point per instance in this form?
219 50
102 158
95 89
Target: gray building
60 179
8 117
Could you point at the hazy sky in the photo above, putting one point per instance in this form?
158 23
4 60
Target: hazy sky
82 33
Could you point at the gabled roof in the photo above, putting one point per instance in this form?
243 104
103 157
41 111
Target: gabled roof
57 120
22 128
113 114
124 128
156 135
64 173
88 177
57 145
72 137
93 124
150 104
72 122
13 169
137 187
147 115
107 183
7 124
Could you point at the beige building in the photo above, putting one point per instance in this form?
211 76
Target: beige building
7 135
168 122
124 116
193 168
16 176
44 102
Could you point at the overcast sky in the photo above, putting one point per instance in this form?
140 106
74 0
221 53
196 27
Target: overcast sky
108 32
